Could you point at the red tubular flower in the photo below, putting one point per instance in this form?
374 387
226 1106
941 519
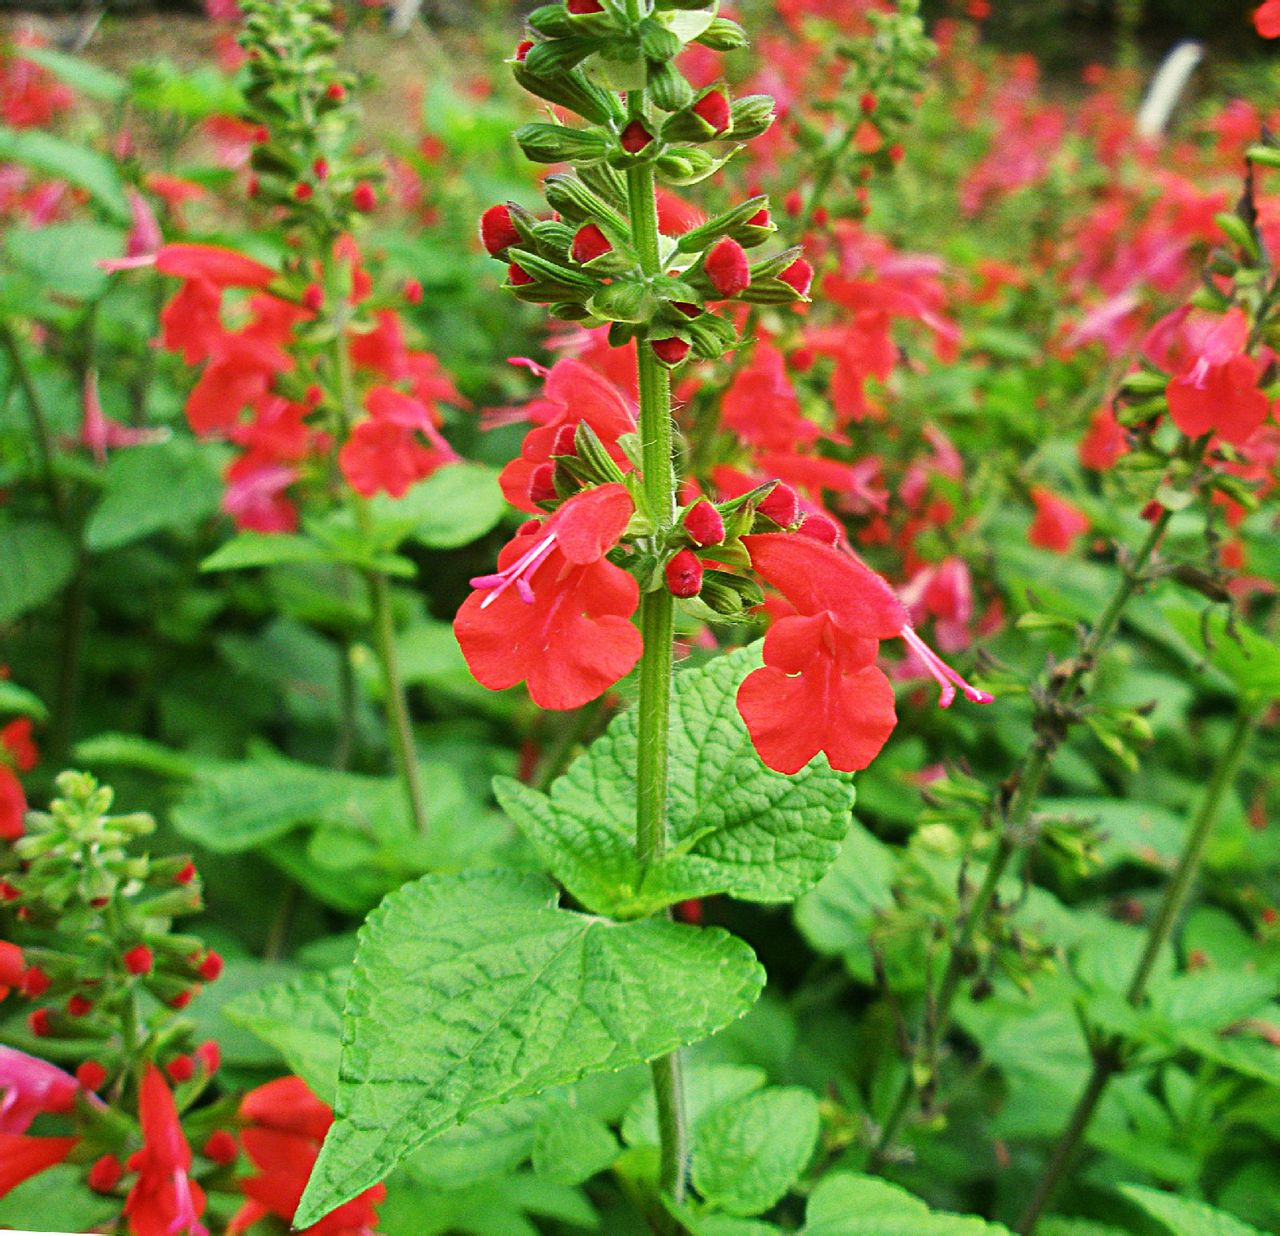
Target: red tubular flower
191 323
164 1200
22 1157
29 1087
1057 523
13 805
13 967
819 689
1104 443
555 614
381 455
727 268
1215 383
224 268
285 1125
573 394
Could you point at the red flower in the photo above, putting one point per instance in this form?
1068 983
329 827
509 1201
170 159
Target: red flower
1104 443
572 394
819 689
13 805
12 968
286 1124
224 268
383 452
16 739
1215 383
164 1200
191 323
1057 522
555 615
22 1157
1266 19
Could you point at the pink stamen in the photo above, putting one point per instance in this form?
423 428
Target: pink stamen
517 574
946 678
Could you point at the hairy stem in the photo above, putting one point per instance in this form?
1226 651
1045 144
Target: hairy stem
657 625
1028 779
399 725
1106 1059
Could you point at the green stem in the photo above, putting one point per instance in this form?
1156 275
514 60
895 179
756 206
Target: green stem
40 430
399 726
398 723
1106 1059
1013 832
657 625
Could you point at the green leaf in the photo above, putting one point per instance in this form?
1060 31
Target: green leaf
1249 660
132 751
746 1155
16 699
89 79
302 1020
259 549
141 487
57 1199
847 1205
570 1145
736 826
38 560
63 257
64 160
452 507
234 807
1186 1218
474 989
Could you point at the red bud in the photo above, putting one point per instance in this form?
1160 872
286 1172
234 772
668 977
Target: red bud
799 275
38 1023
210 1055
761 218
105 1174
79 1006
138 959
364 197
183 998
670 351
413 291
35 982
221 1147
185 874
181 1068
523 49
497 232
727 268
635 137
517 276
542 484
704 523
820 528
336 91
91 1075
590 242
581 7
781 505
210 966
684 574
313 298
302 193
320 169
713 108
868 103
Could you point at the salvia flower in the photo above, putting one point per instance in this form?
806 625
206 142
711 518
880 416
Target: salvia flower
556 613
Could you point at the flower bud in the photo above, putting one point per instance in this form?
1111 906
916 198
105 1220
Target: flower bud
752 116
542 485
91 1075
210 966
185 874
138 960
684 574
670 351
497 232
713 110
799 275
635 137
313 298
820 528
181 1068
523 48
221 1147
704 523
182 999
364 197
590 243
35 982
412 291
210 1055
580 8
79 1006
38 1023
727 268
781 505
105 1174
518 277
